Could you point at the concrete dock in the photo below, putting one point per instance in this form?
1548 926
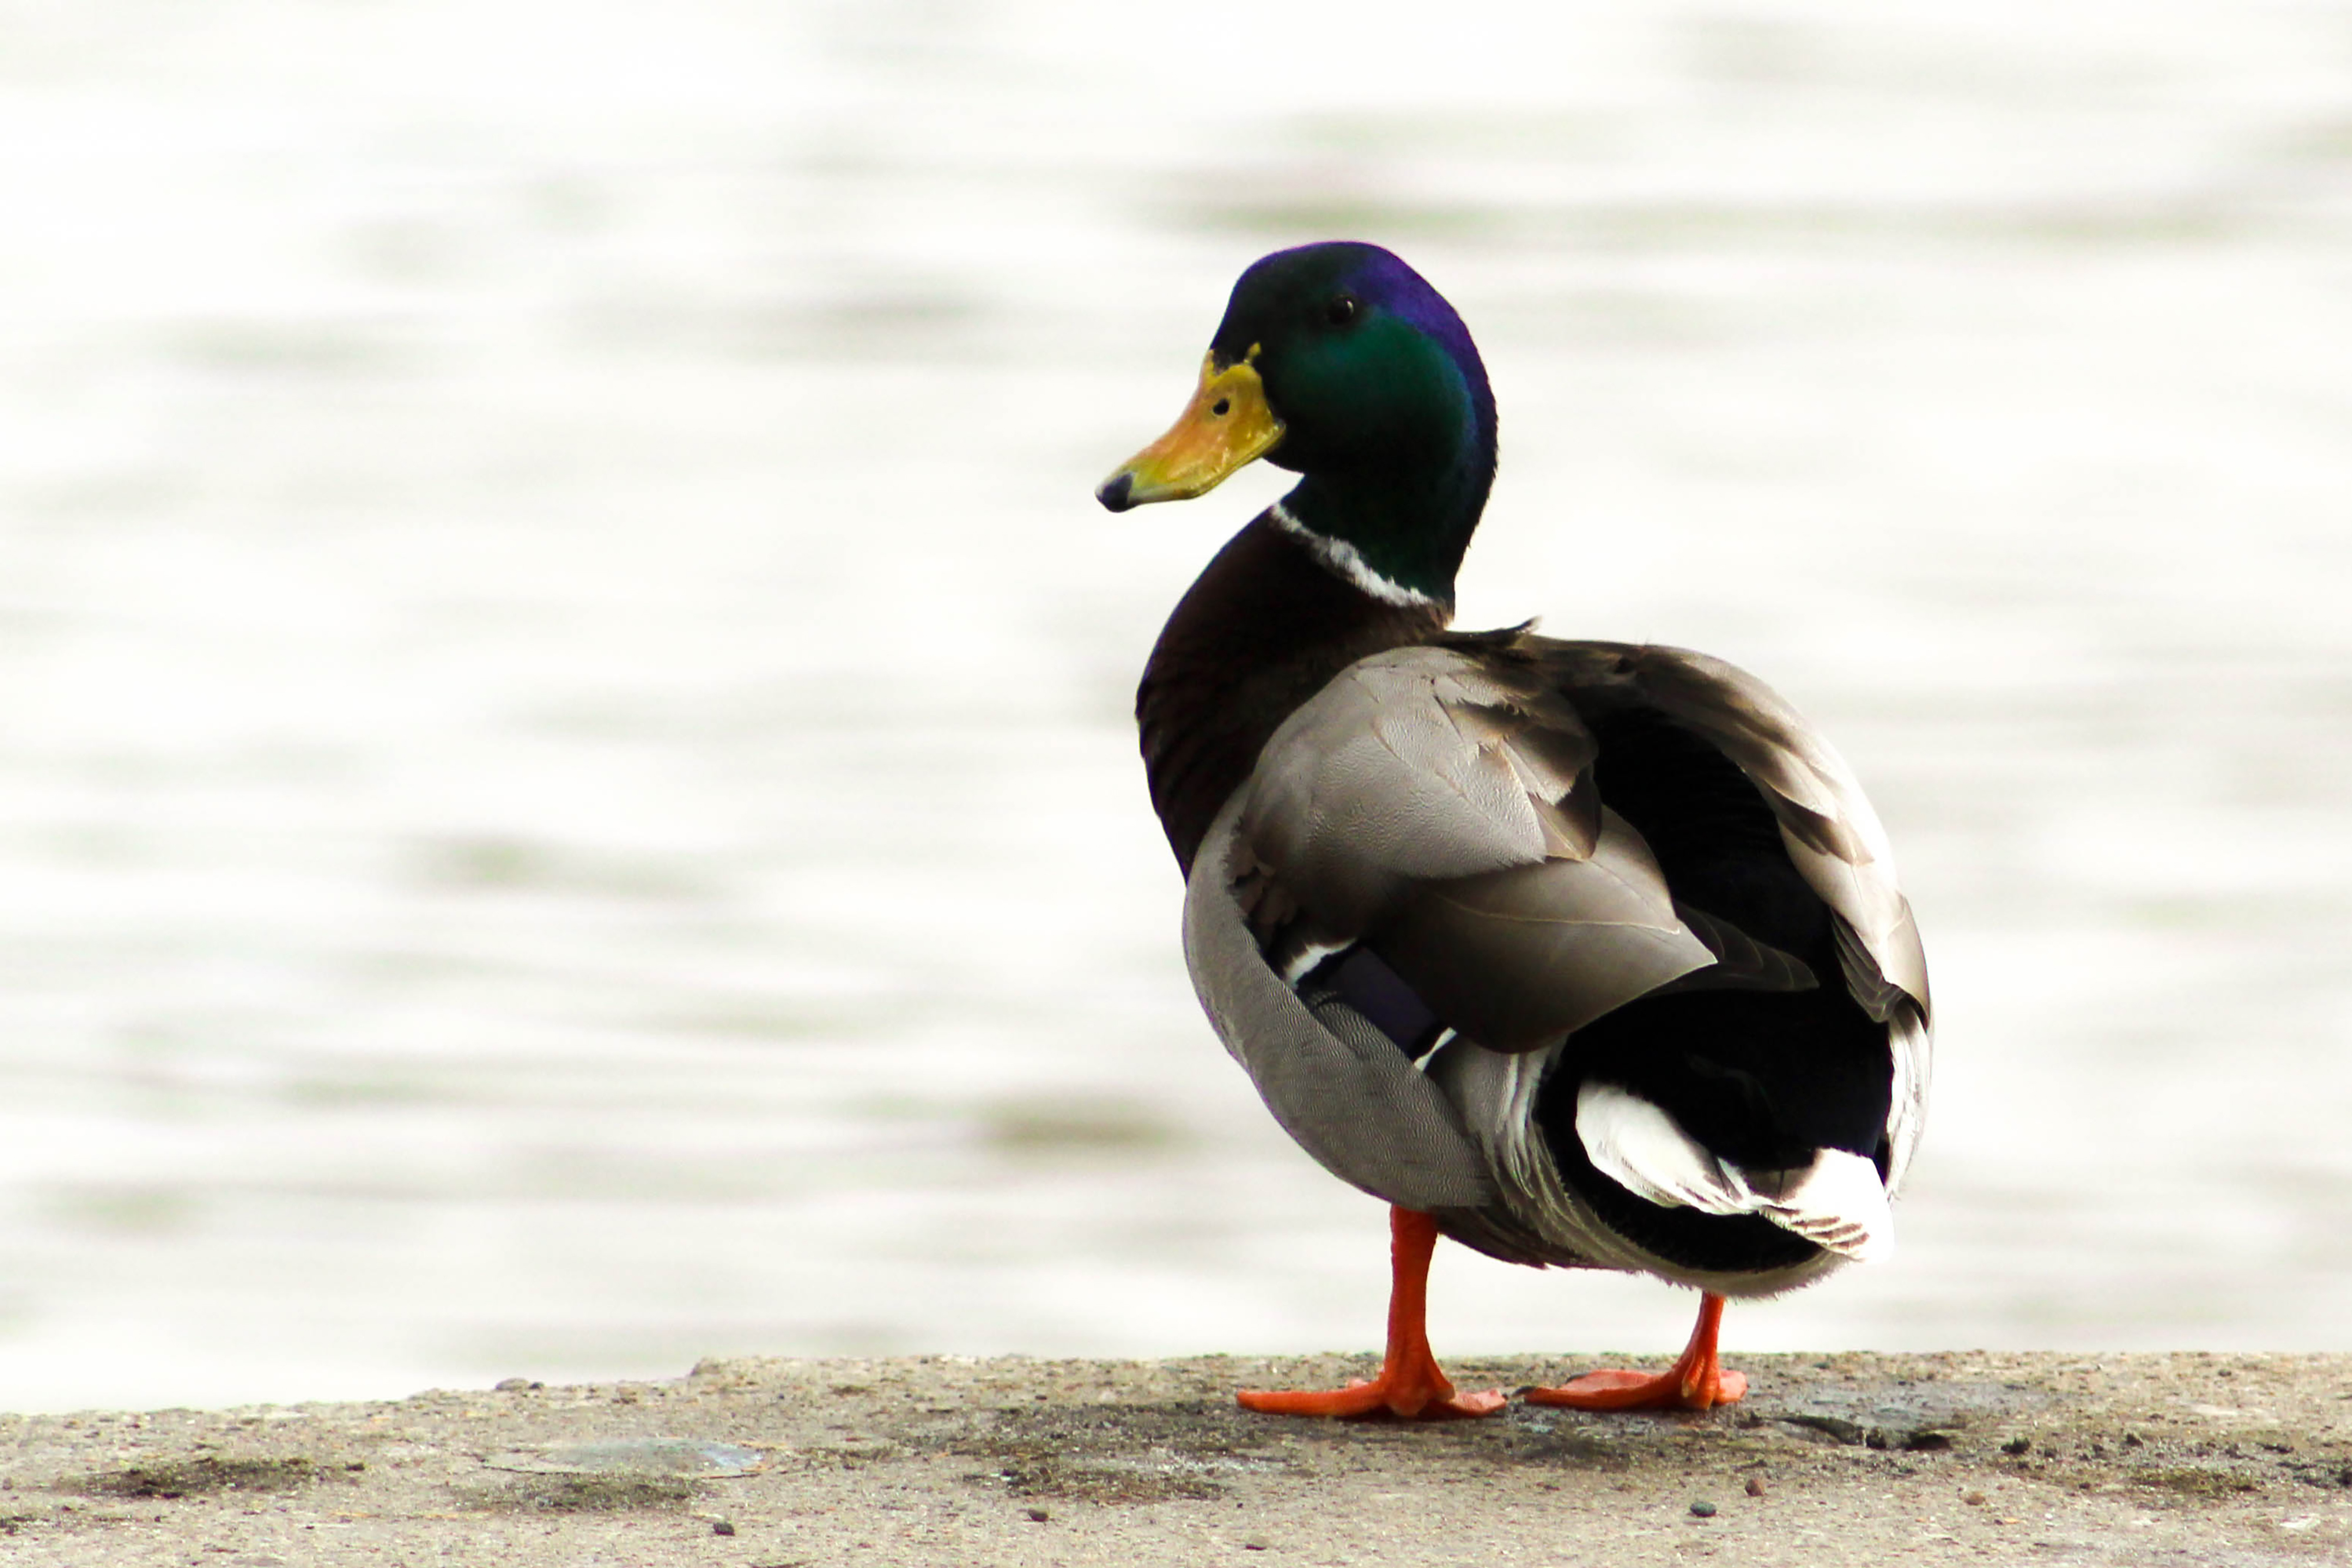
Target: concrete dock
1850 1459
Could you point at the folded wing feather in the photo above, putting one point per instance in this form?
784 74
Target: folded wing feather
1426 803
1831 833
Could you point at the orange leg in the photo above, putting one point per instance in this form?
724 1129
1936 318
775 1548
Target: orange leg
1410 1386
1697 1382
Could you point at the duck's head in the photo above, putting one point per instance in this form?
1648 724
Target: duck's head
1340 361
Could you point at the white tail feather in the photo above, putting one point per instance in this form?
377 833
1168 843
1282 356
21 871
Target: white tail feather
1837 1202
1643 1150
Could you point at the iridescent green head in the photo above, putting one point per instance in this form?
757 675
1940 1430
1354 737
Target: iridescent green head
1340 361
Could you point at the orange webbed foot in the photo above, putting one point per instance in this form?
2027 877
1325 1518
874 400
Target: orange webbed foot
1411 1386
1697 1382
1615 1390
1410 1395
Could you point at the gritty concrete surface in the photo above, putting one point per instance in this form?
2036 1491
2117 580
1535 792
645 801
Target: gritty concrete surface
2042 1459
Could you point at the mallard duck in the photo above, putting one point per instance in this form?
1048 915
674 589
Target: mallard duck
1586 955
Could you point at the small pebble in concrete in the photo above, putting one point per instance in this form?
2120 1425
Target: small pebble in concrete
721 1527
1702 1511
1974 1499
2016 1446
1755 1487
1037 1515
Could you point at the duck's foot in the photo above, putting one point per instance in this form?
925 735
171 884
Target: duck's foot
1415 1394
1616 1390
1697 1382
1411 1386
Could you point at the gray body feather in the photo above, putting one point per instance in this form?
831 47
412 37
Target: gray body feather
1439 802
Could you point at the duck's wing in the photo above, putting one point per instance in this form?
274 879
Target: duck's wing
1832 836
1442 808
1448 807
1831 833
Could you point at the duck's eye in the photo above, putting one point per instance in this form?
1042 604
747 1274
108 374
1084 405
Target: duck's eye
1342 310
1222 407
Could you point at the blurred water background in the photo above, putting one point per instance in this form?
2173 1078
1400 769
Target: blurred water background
567 799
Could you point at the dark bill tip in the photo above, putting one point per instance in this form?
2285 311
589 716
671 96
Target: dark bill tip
1115 493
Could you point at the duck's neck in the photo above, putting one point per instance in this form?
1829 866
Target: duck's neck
1262 630
1398 533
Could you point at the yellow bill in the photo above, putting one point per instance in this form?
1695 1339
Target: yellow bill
1226 426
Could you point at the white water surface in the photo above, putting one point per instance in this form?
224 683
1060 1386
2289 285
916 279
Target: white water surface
567 800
